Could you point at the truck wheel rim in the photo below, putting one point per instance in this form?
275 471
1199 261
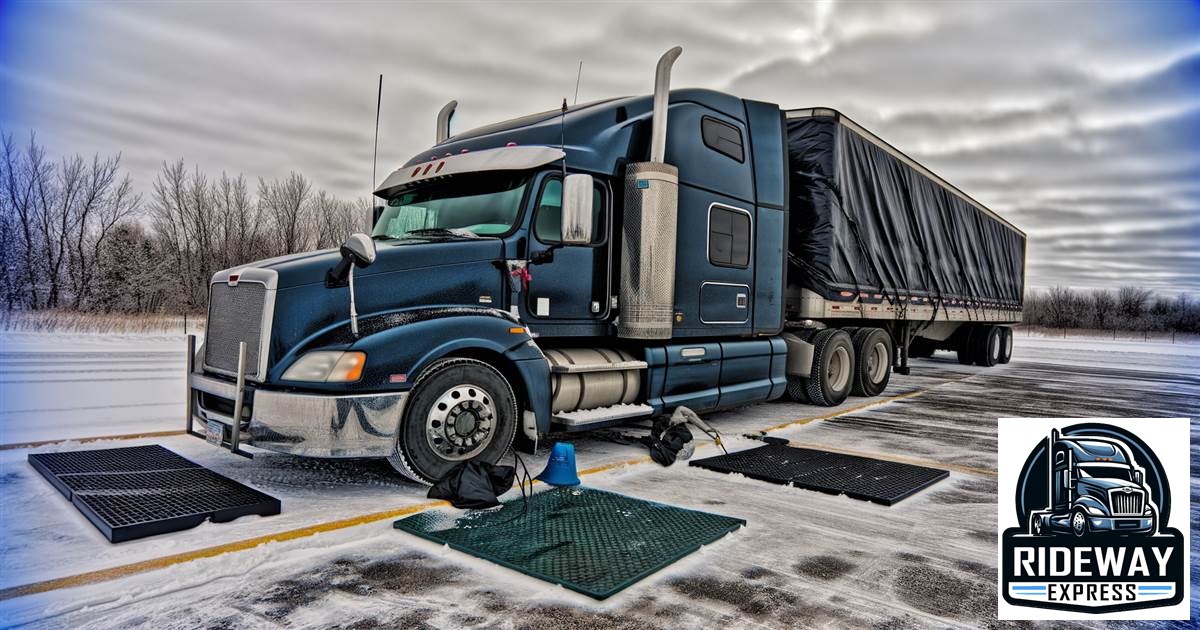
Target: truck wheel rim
838 373
461 422
1078 523
877 362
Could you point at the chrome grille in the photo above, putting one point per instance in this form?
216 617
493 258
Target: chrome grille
1125 503
235 314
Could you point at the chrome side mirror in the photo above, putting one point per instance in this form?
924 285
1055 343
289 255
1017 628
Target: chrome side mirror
359 249
576 226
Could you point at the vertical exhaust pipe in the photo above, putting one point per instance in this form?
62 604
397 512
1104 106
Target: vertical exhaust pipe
443 121
648 232
662 96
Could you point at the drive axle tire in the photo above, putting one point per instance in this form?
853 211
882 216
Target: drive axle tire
797 390
988 346
1006 344
872 361
458 410
833 368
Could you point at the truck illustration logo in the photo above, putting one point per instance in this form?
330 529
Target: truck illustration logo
1096 487
1093 503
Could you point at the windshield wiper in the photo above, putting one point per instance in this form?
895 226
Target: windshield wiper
441 231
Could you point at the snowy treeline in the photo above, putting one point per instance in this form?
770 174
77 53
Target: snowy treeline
74 233
1128 308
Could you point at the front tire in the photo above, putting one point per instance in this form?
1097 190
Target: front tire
459 410
1079 523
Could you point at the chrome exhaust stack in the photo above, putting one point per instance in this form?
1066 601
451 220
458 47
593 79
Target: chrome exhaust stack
649 231
443 121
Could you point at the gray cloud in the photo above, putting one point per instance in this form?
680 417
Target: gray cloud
1078 122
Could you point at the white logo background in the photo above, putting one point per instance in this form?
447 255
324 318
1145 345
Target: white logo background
1169 438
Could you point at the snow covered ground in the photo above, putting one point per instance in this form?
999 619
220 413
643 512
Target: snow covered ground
804 559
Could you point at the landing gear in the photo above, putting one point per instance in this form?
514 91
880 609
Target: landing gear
459 409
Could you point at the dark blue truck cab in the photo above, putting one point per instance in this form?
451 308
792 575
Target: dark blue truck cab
574 269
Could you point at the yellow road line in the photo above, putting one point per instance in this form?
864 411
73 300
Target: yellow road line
85 440
125 570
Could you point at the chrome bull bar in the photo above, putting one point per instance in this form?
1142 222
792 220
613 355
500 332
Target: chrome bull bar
239 401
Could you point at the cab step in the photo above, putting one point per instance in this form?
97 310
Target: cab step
587 418
598 367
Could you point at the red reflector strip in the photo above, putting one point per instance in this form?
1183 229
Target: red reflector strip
398 378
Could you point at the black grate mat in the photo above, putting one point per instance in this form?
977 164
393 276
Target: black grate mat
863 478
140 491
590 541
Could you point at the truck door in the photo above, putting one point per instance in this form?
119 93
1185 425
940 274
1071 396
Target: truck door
575 284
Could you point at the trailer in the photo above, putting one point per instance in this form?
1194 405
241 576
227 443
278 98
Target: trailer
587 265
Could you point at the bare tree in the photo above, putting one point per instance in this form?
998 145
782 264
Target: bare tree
1131 304
286 205
1103 305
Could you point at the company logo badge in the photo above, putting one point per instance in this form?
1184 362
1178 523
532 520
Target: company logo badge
1091 528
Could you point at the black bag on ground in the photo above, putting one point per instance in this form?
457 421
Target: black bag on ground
474 485
666 440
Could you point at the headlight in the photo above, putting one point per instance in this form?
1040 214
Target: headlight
1094 511
327 366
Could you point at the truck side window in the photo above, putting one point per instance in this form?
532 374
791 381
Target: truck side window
722 137
547 215
728 237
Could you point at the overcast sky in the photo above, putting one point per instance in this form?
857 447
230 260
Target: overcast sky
1080 123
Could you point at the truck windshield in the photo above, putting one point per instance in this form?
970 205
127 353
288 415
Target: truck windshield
479 205
1106 472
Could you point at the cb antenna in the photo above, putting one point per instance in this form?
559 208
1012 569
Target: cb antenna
375 155
578 76
562 138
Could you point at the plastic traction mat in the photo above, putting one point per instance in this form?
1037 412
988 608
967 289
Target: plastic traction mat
140 491
590 541
863 478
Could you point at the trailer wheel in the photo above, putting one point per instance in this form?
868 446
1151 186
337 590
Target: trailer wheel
459 410
1006 344
872 361
966 345
833 368
988 346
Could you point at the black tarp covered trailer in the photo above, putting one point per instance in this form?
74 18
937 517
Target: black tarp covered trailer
869 223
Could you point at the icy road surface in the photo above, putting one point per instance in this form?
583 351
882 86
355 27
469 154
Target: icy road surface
805 559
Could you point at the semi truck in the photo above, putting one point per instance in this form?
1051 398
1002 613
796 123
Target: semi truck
589 265
1095 486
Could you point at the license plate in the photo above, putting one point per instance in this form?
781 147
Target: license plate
215 433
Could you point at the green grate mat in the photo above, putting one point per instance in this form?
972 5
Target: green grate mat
590 541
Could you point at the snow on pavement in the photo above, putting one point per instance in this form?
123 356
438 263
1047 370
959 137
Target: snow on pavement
804 559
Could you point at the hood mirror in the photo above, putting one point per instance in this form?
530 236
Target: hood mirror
359 249
577 210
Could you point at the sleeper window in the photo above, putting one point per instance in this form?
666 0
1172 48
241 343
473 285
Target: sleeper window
722 137
728 237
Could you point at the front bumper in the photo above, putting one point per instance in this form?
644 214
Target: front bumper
1122 524
310 425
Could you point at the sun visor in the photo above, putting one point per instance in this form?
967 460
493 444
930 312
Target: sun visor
499 159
